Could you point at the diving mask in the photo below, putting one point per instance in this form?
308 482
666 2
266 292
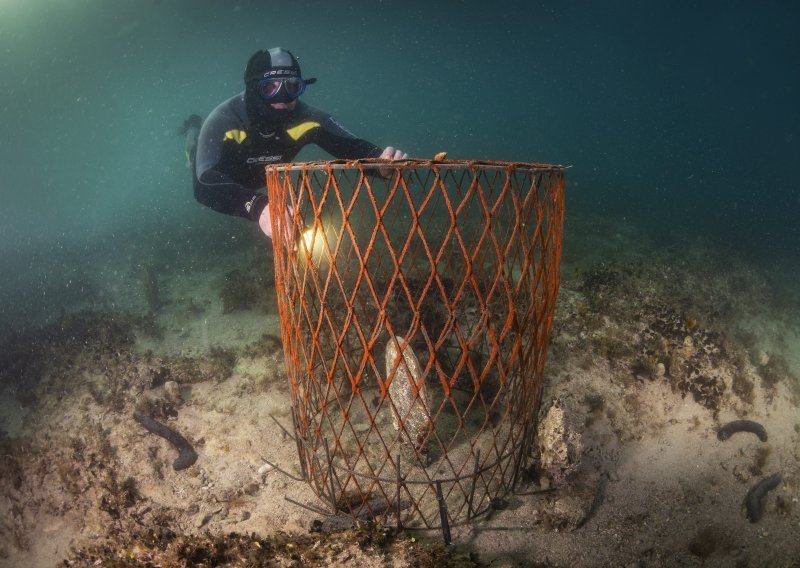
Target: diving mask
282 90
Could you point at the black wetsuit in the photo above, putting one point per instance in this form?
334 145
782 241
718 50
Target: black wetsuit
231 153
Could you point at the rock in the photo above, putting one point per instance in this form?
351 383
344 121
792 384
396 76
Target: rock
568 512
573 505
560 443
742 473
202 520
149 375
172 392
408 394
204 517
142 510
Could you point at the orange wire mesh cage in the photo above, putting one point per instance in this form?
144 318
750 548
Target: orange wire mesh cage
416 300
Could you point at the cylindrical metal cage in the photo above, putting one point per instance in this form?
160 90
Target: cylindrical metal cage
416 300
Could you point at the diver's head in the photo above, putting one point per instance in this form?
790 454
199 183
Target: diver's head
273 82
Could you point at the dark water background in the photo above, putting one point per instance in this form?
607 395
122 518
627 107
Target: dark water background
683 117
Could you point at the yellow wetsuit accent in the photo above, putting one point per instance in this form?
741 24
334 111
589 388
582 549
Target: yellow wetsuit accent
297 131
236 135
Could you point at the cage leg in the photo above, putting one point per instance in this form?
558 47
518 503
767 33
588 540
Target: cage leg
330 476
519 458
443 513
300 453
283 471
298 441
397 496
306 507
474 481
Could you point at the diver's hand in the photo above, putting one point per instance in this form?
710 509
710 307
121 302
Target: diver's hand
265 221
390 153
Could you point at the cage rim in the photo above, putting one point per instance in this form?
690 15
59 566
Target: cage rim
534 167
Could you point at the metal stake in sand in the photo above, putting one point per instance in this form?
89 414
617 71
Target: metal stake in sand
397 500
443 513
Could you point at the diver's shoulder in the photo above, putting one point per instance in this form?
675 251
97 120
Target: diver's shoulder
307 111
230 112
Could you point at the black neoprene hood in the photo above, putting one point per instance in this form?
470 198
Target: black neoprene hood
276 61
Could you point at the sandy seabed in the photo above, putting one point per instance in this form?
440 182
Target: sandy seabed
653 349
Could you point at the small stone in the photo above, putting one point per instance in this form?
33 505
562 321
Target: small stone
741 473
659 371
265 469
763 358
498 503
172 391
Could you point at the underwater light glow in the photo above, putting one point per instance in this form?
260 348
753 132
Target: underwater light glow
313 247
309 236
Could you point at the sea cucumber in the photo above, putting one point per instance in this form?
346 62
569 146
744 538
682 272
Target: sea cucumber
731 428
186 454
755 497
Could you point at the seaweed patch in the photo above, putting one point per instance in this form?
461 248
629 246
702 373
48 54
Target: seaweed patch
731 428
186 456
754 502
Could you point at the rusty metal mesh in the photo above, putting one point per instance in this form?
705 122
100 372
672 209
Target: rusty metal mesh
453 264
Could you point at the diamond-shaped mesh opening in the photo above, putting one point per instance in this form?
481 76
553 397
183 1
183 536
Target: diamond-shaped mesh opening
416 305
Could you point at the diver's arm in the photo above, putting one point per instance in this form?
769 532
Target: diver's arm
217 191
335 140
340 143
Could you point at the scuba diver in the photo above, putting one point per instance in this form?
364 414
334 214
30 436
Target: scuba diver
265 124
